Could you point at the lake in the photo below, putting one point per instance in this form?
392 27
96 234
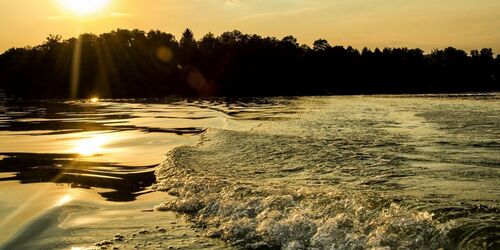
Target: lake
325 172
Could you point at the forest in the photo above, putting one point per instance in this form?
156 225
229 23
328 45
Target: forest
134 63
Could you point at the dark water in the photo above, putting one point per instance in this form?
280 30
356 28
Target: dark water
353 172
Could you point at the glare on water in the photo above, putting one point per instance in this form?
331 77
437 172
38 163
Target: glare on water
65 199
90 146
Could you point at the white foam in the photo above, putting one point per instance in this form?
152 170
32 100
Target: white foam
278 215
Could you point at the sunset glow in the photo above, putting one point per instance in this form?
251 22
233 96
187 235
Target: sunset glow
228 124
427 25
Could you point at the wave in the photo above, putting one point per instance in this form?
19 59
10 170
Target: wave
238 199
334 176
275 215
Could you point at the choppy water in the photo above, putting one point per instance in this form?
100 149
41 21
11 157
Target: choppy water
407 172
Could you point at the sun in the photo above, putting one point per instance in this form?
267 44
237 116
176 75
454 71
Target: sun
84 7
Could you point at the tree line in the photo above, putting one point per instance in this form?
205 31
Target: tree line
134 63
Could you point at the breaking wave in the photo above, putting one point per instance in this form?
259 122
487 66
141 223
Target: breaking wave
224 187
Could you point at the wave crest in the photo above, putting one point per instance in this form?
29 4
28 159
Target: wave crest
273 214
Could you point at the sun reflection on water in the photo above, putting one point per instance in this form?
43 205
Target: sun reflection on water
65 199
90 146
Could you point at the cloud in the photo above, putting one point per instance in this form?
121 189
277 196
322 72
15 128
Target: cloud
120 15
281 13
110 15
55 17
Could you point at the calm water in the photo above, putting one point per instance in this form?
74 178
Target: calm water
314 172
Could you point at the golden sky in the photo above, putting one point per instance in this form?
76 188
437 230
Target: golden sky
427 24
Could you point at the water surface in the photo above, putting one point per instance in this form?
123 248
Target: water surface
313 172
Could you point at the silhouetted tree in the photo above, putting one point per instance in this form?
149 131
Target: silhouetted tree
133 63
187 41
321 45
